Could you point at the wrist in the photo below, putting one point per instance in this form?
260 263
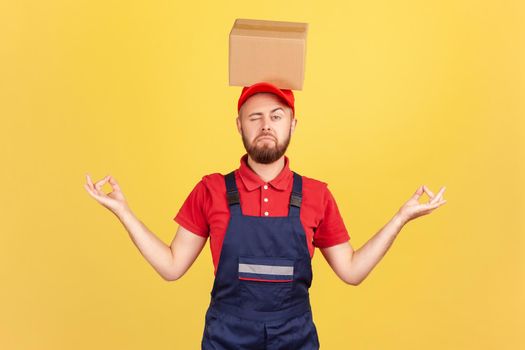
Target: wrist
123 213
399 221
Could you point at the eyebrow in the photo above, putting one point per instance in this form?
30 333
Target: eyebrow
260 113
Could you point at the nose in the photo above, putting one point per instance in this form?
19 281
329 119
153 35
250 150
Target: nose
266 125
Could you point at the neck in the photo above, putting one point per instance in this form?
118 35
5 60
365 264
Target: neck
267 172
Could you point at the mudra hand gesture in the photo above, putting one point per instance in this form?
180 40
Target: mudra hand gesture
114 201
413 209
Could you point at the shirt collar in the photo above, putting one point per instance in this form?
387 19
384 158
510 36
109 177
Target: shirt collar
252 181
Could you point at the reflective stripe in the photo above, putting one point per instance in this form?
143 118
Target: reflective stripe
266 269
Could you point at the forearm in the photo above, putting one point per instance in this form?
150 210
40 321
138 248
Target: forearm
156 252
366 258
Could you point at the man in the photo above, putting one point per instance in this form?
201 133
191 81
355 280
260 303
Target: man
264 222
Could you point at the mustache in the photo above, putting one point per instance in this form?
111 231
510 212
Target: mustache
265 135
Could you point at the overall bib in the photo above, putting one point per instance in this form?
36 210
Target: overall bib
260 296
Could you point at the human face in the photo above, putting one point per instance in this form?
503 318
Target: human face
266 125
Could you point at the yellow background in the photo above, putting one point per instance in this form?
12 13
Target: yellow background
397 94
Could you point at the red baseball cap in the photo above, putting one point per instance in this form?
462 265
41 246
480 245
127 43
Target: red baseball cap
285 94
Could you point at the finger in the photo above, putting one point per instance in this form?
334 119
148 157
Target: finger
114 183
90 191
90 183
438 197
428 191
418 192
432 206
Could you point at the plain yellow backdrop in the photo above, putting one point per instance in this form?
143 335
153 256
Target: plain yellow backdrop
397 94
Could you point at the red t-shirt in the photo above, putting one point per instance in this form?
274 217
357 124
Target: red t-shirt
205 211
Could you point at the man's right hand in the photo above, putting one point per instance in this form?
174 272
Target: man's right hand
114 201
171 262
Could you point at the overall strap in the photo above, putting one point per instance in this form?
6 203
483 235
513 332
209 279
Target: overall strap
296 196
232 194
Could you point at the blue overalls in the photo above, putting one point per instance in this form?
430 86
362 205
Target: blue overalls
260 296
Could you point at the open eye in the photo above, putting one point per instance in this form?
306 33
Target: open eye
277 116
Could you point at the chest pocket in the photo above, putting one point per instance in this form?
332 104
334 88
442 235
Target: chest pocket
265 282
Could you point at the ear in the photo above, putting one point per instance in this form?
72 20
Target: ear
293 124
238 120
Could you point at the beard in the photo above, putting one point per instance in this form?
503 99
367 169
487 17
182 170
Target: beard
266 154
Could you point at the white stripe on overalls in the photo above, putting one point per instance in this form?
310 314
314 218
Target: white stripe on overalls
266 269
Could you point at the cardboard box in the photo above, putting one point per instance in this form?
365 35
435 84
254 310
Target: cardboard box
271 51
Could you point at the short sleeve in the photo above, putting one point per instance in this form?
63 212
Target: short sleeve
331 229
192 215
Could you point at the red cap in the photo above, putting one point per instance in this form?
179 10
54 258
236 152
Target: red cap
285 94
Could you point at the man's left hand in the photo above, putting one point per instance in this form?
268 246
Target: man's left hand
413 209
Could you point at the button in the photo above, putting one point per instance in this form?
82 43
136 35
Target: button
266 199
266 213
265 187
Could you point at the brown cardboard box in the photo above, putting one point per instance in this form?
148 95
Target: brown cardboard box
271 51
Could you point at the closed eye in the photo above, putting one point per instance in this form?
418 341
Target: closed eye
274 116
